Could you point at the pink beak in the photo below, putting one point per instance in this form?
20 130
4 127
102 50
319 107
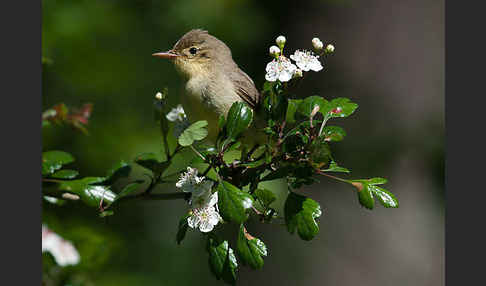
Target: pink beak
166 55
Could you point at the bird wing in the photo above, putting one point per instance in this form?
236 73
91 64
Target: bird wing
245 88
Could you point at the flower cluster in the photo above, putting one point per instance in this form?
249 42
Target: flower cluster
282 69
204 212
63 251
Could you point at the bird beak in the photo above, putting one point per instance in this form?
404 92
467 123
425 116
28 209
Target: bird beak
166 55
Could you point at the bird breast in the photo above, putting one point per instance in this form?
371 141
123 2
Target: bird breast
207 99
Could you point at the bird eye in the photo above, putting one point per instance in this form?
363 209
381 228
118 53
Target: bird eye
193 50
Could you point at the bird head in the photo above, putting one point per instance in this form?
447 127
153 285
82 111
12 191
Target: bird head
198 52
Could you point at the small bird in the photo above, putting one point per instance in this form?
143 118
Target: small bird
213 80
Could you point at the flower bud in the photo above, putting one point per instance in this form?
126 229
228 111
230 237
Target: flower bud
158 96
317 44
280 41
274 51
329 49
298 73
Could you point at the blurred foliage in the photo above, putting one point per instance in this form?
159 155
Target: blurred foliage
100 52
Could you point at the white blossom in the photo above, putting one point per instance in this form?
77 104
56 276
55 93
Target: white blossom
274 51
281 69
205 217
317 44
306 60
280 41
329 49
189 182
63 251
158 96
176 114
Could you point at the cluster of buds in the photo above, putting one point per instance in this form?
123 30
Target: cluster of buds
282 69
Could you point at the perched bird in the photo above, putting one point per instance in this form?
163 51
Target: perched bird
213 80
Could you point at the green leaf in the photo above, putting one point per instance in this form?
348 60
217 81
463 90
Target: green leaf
307 105
233 203
333 133
197 131
292 107
333 167
386 198
129 189
265 196
182 230
65 174
238 120
366 197
300 214
222 261
54 201
54 160
367 189
377 181
88 192
277 174
320 152
250 249
120 170
150 161
106 213
341 107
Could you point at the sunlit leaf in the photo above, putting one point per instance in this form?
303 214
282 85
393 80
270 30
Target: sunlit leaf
54 160
300 214
333 133
238 120
233 203
222 261
250 249
197 131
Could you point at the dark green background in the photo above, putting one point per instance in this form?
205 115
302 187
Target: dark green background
389 59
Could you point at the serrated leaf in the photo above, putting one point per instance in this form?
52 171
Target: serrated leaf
265 196
88 192
54 160
238 120
341 107
307 105
222 261
197 131
233 203
65 174
250 249
367 189
182 230
333 167
333 133
301 214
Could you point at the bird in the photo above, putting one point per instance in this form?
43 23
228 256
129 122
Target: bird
213 81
